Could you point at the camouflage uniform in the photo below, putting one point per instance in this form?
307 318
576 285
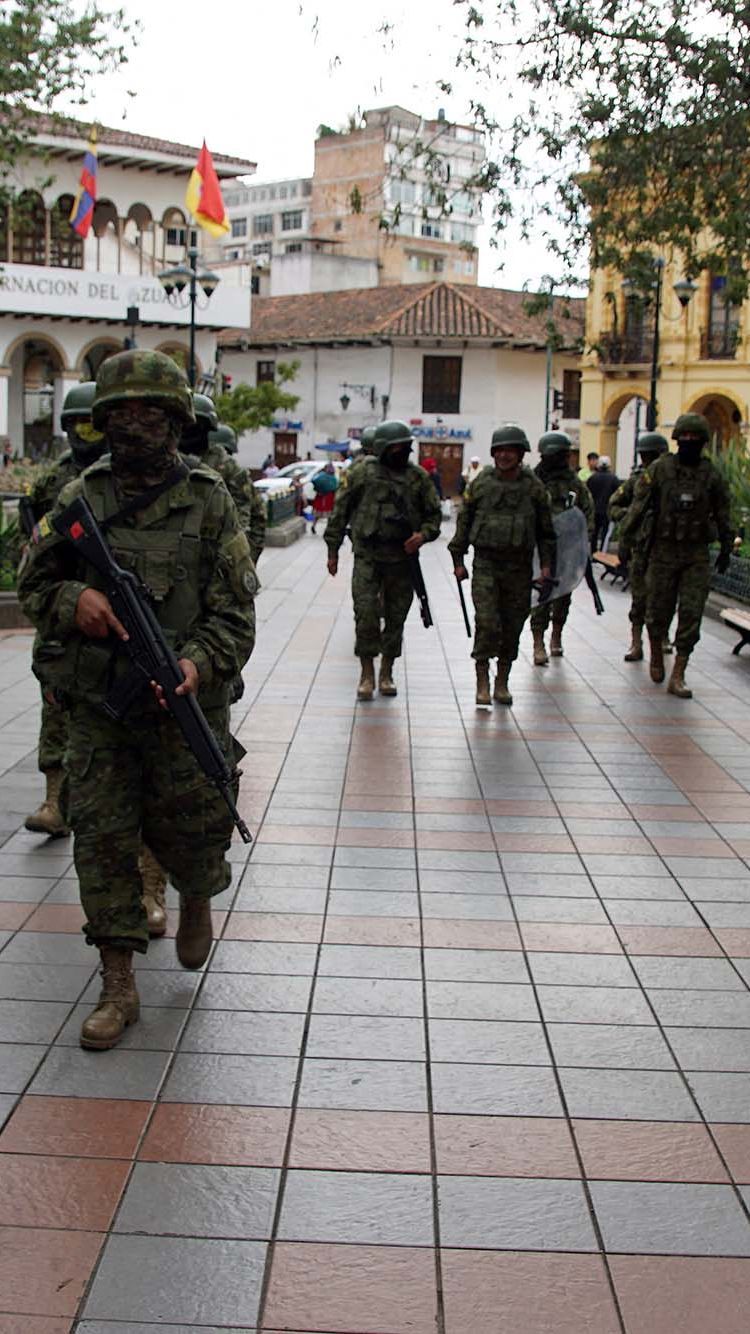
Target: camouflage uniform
504 521
634 553
558 483
383 506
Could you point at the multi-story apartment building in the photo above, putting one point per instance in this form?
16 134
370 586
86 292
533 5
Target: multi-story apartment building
267 220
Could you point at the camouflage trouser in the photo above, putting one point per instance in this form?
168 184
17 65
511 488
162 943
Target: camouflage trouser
501 593
381 591
53 736
556 610
139 780
637 567
677 577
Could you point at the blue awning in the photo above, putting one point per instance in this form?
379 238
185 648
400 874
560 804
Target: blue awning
331 447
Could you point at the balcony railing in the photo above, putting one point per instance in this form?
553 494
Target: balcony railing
720 344
632 349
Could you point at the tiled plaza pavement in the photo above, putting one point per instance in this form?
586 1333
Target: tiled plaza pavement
471 1055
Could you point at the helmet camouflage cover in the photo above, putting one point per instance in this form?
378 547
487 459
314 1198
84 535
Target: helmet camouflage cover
367 438
651 442
224 435
554 442
150 377
78 401
205 411
514 436
691 423
390 433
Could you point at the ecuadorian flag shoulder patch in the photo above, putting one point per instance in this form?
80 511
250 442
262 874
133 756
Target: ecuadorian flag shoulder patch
41 530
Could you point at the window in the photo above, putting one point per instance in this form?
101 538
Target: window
239 227
438 265
262 248
403 192
29 225
571 394
282 192
462 231
307 187
468 266
66 247
263 224
441 384
431 228
723 321
293 248
338 225
255 285
272 192
421 264
178 236
291 222
293 191
265 372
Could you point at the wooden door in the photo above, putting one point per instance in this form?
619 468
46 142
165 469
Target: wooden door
284 447
449 457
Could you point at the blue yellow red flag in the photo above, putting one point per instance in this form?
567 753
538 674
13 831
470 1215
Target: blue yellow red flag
83 206
203 196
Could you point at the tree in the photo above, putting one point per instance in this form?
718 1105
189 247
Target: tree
625 127
247 407
51 54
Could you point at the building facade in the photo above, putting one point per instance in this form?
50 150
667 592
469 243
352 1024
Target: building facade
67 303
451 362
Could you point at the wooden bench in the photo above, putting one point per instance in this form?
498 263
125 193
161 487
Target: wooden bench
610 565
740 621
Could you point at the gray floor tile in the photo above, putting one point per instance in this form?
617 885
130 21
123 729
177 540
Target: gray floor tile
49 947
610 1046
17 1064
188 1200
549 886
369 961
495 1090
367 1037
724 868
582 970
659 973
514 1214
670 1218
393 1086
532 908
157 1029
7 1103
233 991
372 903
285 877
453 965
717 914
594 1005
264 956
627 1095
488 1042
468 907
368 995
722 1097
180 1280
716 891
247 1081
368 877
607 864
371 1208
711 1048
31 1021
544 863
265 898
702 1009
69 1072
243 1032
117 1327
387 858
652 912
461 882
431 859
158 988
289 854
639 887
22 889
481 1000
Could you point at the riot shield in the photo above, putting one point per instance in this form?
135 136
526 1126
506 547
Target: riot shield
573 552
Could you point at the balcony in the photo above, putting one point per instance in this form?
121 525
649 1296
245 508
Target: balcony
720 344
628 349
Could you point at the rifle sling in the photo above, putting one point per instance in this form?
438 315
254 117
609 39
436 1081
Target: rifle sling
146 498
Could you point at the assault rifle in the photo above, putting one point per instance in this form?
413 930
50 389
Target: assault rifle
591 582
417 579
26 515
152 658
464 612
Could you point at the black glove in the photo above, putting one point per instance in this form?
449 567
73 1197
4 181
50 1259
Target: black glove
546 589
722 562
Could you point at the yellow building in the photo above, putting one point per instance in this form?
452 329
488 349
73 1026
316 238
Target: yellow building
704 361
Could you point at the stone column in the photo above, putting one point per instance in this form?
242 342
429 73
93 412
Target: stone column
4 383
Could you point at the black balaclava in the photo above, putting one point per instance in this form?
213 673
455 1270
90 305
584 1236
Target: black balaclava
195 437
397 457
689 451
142 439
552 465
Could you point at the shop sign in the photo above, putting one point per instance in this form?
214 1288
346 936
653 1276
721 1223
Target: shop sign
446 433
286 425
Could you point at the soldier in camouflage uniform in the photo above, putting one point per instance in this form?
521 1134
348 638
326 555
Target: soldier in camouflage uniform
197 445
392 509
561 483
505 515
226 438
365 452
138 777
686 503
85 446
634 554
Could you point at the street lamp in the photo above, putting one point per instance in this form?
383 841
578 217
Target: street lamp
683 290
175 281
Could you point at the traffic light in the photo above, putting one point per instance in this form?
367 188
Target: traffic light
226 384
557 400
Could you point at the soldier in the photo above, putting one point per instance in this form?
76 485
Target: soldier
563 487
392 509
634 553
686 503
505 515
85 446
138 777
197 446
359 457
226 439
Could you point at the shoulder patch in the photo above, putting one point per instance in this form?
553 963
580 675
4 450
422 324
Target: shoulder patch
41 530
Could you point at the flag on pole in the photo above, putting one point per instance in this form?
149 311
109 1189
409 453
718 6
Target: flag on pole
203 196
83 205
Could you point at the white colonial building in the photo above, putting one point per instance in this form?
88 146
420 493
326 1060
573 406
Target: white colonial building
67 303
453 361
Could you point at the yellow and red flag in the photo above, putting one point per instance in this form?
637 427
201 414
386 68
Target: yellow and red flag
203 196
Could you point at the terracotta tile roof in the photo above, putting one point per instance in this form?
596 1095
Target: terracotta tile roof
410 311
67 128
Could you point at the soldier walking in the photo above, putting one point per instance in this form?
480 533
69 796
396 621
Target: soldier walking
505 516
224 438
633 551
392 508
177 528
686 503
564 488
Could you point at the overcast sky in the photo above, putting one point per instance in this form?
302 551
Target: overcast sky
256 79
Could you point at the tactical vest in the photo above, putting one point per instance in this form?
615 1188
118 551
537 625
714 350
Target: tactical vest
386 514
685 503
505 518
173 560
559 486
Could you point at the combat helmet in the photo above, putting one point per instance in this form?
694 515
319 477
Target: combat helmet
651 442
145 375
692 423
554 442
367 438
388 434
514 436
224 435
77 404
205 411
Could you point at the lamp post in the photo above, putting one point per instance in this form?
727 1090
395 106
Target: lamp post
683 290
190 277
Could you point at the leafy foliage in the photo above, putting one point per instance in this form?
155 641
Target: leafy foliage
733 463
247 407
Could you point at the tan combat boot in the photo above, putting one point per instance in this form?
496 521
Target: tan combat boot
386 684
501 693
656 666
540 652
677 679
555 643
635 652
483 681
48 818
366 687
118 1003
195 932
154 883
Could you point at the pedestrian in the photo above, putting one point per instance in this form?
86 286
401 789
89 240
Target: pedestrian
633 551
325 485
431 468
271 469
392 509
267 463
505 516
137 777
563 487
592 460
7 454
602 484
686 502
471 471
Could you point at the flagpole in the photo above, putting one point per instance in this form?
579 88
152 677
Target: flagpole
193 261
